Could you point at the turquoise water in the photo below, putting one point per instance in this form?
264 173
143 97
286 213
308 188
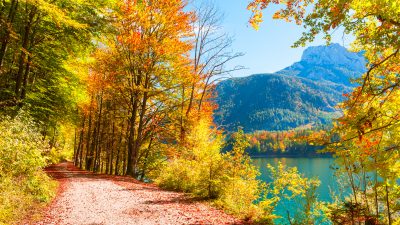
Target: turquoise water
310 167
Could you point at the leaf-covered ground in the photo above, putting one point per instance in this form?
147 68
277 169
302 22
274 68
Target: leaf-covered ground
87 198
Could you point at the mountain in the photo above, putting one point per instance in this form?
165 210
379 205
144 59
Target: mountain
331 63
301 94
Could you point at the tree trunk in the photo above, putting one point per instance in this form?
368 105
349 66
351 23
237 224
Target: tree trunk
79 151
131 142
389 214
75 146
376 193
189 109
138 142
25 80
125 167
118 151
91 162
22 56
87 158
6 38
110 168
182 126
145 160
97 139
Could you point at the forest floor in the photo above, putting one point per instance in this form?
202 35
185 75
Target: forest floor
88 198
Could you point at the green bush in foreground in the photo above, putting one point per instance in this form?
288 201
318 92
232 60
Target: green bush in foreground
229 179
22 181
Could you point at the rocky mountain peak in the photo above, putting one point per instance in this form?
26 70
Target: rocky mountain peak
333 55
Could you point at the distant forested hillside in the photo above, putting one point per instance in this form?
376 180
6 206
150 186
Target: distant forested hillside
302 94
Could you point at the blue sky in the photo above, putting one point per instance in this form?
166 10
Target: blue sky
268 49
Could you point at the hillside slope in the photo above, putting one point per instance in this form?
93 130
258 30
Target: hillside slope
304 93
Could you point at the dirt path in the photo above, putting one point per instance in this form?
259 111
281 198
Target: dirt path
86 198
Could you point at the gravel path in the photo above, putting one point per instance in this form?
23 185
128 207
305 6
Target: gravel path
86 198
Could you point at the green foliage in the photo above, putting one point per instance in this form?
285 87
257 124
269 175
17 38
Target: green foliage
42 38
199 169
294 193
21 147
241 188
22 157
367 134
346 212
229 179
42 46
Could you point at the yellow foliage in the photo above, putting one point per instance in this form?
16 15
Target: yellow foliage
22 181
201 169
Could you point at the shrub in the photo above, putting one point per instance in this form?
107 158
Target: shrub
230 179
22 181
198 169
241 188
201 169
296 194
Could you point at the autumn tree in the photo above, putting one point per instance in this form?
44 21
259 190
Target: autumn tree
41 44
38 40
365 138
211 52
133 84
155 55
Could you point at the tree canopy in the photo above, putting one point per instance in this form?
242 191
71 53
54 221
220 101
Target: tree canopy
366 138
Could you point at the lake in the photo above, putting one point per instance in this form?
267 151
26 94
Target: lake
310 167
